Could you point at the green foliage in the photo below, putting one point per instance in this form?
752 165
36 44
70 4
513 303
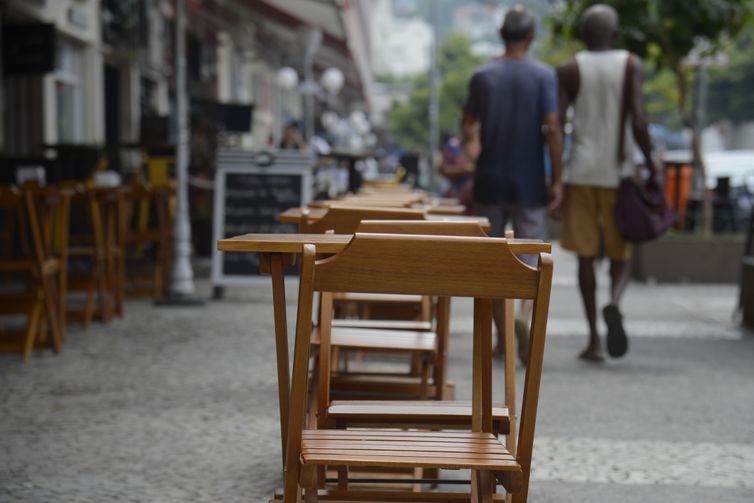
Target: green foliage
730 91
663 32
409 121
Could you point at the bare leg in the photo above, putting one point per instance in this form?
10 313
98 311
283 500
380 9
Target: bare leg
525 309
498 315
588 287
617 342
619 275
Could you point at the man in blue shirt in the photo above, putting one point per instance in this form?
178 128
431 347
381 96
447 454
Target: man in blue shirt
510 113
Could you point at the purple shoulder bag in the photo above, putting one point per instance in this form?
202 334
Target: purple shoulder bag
642 212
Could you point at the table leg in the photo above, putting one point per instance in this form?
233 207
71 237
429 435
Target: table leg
277 266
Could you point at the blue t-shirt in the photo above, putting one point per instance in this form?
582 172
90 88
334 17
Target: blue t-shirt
510 97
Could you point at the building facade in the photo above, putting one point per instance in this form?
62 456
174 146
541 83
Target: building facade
101 72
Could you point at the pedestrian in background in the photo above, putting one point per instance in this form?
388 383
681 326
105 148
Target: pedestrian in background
458 169
510 113
606 121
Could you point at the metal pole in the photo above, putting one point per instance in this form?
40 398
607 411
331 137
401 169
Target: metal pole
182 284
434 102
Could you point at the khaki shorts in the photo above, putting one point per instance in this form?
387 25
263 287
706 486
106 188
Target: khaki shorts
589 220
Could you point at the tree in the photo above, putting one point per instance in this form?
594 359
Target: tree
665 33
408 122
730 95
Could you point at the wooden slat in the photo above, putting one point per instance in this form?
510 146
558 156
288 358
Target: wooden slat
333 243
383 324
335 496
378 297
399 409
401 434
380 340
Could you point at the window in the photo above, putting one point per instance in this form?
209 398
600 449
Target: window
69 93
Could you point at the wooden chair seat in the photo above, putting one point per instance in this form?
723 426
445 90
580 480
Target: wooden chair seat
385 385
400 448
380 340
377 297
416 325
387 495
413 414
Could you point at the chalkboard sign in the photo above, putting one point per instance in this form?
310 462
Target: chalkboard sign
249 198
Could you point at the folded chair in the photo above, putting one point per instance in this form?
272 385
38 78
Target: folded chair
409 413
147 239
482 268
414 311
34 259
87 255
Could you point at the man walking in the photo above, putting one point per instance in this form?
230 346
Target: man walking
604 87
510 111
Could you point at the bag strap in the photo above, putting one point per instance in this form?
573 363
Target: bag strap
625 105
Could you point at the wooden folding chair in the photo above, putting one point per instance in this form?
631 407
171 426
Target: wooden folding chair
411 309
111 203
87 257
482 268
422 413
344 219
37 261
147 240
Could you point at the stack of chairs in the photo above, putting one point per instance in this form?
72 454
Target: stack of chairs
422 436
64 254
354 429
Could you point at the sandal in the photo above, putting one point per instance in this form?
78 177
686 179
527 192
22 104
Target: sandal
617 342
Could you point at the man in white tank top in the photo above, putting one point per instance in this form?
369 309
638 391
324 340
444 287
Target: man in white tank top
593 83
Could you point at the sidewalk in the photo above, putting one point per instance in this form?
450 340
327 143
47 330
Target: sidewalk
180 404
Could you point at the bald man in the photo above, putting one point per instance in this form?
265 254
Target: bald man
595 83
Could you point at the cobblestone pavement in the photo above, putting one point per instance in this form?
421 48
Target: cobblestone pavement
180 404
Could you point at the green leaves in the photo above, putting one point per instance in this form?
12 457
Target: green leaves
409 121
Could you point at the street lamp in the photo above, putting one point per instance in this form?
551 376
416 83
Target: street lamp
330 83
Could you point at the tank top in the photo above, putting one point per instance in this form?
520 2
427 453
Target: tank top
593 158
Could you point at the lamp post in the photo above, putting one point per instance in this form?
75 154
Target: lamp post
182 284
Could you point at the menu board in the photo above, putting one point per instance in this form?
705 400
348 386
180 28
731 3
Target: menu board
248 199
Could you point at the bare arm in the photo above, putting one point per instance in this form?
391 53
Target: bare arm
568 87
470 142
553 133
469 149
639 123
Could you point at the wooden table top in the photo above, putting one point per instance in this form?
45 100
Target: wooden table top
333 243
293 215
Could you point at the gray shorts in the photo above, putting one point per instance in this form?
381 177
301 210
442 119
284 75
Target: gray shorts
528 223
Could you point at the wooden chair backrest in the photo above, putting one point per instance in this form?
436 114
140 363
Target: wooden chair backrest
345 219
482 268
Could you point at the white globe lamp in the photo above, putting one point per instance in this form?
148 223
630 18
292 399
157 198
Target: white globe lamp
332 80
287 78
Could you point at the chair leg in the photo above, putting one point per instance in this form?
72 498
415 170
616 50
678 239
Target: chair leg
89 307
32 327
51 310
424 386
343 478
481 486
310 483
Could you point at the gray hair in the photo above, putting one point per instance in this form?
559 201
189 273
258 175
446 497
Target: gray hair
518 24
